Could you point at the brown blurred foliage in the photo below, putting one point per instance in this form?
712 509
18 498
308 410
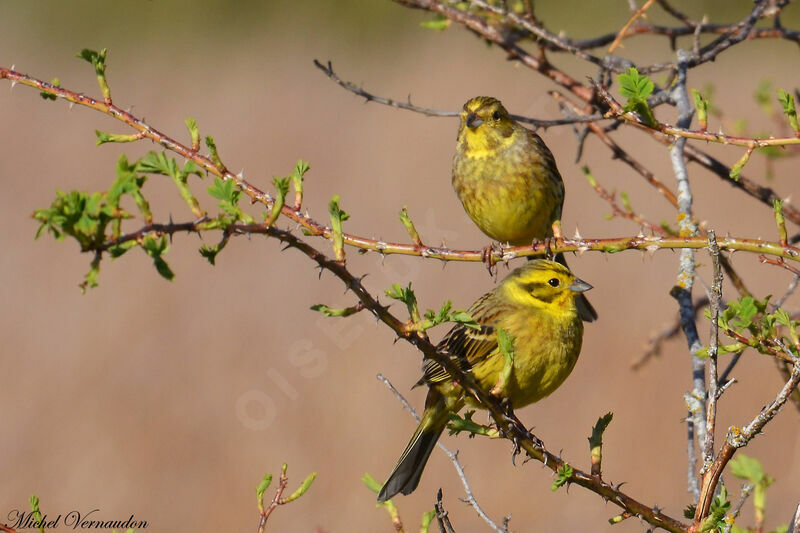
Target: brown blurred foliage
170 400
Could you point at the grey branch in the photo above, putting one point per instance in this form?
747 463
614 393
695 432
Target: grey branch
683 292
470 499
715 305
408 106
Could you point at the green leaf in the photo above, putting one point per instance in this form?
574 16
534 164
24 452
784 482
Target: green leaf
463 317
403 294
783 318
119 249
49 96
506 344
98 61
641 108
787 103
748 468
438 22
596 438
333 312
562 477
104 137
299 171
458 424
213 153
635 85
223 190
338 215
763 97
744 310
589 176
701 104
194 132
371 483
715 521
36 512
689 511
303 488
736 169
211 252
427 520
155 248
636 88
626 201
263 486
281 188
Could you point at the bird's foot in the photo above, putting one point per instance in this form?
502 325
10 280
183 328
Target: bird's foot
548 251
487 256
510 418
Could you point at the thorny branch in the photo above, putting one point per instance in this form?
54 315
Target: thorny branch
327 69
739 437
311 226
715 306
510 426
477 22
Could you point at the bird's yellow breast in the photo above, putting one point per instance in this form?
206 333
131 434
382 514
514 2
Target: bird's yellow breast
546 348
509 187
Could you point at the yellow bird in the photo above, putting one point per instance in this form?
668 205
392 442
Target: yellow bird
507 179
535 305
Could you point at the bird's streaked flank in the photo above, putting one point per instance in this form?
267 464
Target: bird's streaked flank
535 305
507 179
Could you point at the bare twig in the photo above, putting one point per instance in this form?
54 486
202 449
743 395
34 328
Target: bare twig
733 514
487 30
408 106
656 340
739 437
621 154
715 305
441 515
637 14
313 227
470 499
276 500
794 523
751 143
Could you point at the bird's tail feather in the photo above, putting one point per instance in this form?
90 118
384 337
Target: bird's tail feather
406 475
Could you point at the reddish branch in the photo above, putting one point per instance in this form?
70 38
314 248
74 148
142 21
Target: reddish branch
276 500
510 426
738 438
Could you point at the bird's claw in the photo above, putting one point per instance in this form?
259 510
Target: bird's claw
510 418
487 256
548 250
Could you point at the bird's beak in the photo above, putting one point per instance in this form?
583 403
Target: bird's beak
473 121
579 286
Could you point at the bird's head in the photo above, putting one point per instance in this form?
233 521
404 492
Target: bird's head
485 125
545 285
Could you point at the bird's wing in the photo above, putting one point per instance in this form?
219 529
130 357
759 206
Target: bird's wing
466 346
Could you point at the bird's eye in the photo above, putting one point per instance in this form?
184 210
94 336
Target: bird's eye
554 282
496 115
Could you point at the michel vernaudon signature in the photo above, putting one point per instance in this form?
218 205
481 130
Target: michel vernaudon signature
74 520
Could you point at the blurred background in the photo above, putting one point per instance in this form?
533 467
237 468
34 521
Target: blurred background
170 401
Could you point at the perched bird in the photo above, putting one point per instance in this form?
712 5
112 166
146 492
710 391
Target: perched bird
535 305
507 179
